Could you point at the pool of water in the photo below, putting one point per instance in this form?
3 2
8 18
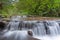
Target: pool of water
48 37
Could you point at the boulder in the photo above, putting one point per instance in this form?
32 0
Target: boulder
30 37
2 25
30 33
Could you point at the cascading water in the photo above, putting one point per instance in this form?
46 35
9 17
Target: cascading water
13 32
44 30
16 35
52 29
14 23
39 29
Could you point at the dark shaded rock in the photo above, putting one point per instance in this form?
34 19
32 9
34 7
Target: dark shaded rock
30 37
2 25
30 33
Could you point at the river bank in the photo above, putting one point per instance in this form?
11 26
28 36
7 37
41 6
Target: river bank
34 18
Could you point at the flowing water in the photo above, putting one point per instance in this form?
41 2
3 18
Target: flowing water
44 30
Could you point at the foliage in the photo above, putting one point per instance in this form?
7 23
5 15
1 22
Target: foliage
47 8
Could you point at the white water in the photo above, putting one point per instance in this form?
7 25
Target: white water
44 31
39 29
53 27
48 37
16 35
54 31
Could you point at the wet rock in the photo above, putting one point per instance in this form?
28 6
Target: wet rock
29 25
2 25
38 21
32 38
30 33
25 25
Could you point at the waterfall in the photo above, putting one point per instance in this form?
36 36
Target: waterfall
53 27
52 30
39 29
45 30
14 23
